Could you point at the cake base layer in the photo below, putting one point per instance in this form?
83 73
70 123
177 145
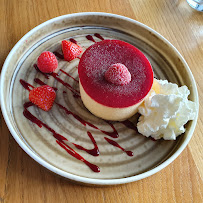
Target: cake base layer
105 112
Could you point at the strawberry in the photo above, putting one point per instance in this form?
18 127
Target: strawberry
47 62
43 97
118 74
70 50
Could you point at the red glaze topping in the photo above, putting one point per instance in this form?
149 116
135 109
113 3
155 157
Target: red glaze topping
99 57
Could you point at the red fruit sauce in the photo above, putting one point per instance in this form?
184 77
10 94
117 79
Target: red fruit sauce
89 37
57 54
62 141
112 142
98 36
73 40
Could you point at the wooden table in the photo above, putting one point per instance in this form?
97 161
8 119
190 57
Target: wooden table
24 180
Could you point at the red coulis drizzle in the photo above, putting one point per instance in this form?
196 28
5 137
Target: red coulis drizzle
74 95
98 36
130 125
89 37
113 134
38 81
56 76
27 114
112 142
60 139
26 85
73 40
94 151
37 69
153 139
93 167
57 54
27 104
68 75
60 55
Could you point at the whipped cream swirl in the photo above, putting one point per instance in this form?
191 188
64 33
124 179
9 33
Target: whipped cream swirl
165 111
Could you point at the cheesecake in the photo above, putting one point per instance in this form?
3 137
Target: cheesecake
114 79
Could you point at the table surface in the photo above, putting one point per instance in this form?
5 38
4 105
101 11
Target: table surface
24 180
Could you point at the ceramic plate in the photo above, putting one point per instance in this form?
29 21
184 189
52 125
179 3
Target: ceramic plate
71 119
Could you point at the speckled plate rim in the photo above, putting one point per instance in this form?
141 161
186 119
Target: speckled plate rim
79 178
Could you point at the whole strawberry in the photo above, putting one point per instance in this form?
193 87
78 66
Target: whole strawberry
47 62
118 74
43 97
70 50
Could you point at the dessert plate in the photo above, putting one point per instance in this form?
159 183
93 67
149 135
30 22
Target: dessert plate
70 119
